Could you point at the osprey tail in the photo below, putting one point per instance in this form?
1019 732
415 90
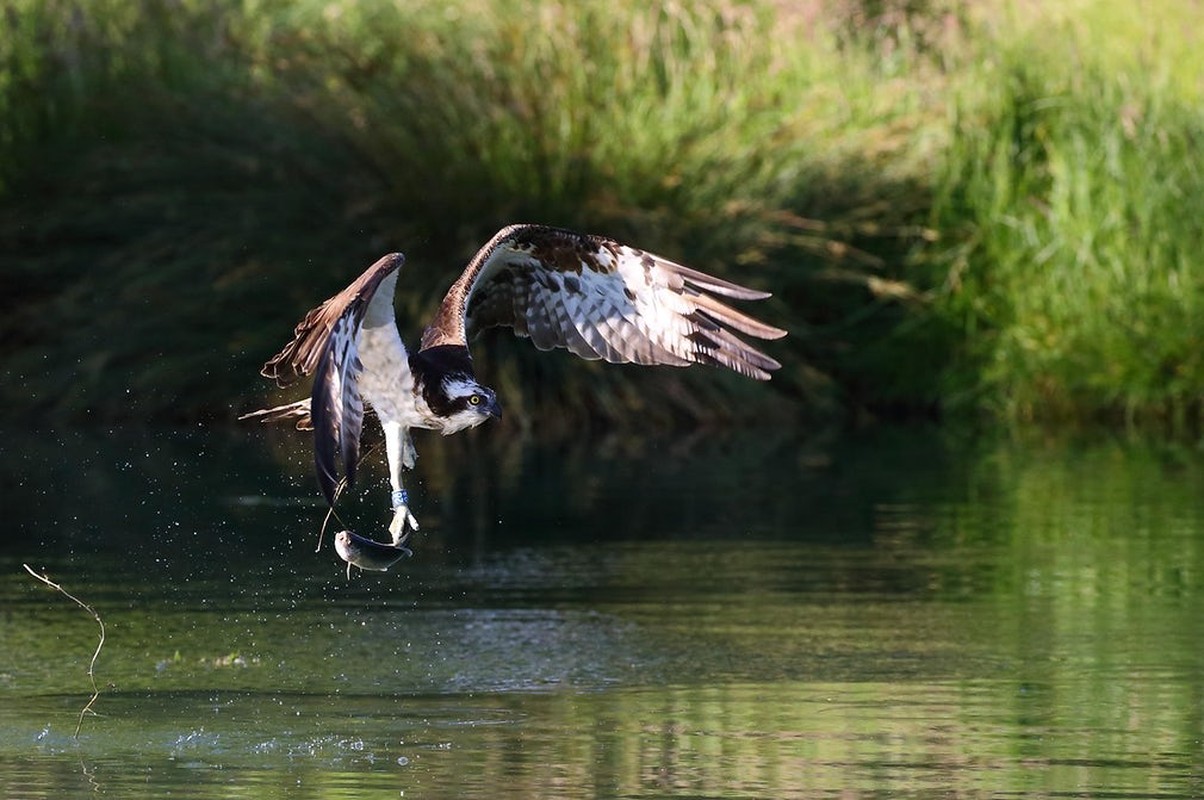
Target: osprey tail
297 412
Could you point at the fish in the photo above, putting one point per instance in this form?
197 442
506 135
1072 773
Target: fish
366 553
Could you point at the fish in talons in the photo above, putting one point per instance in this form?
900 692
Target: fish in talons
367 554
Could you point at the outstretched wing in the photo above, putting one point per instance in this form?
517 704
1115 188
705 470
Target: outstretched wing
326 343
600 299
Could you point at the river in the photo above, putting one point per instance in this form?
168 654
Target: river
896 613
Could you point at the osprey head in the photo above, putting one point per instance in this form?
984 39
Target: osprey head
464 403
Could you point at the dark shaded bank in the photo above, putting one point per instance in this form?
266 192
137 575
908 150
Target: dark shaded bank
180 181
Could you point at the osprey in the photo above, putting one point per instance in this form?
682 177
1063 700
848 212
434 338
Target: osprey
589 294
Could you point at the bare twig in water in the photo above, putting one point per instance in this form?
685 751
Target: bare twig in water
325 522
330 512
92 664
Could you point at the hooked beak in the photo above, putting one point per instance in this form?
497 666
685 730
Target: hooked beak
494 409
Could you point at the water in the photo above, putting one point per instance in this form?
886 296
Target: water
900 614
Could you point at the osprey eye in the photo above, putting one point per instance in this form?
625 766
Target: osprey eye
475 399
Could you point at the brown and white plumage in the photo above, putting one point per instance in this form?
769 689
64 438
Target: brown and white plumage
601 300
589 294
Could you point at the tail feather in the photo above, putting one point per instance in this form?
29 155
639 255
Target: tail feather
297 412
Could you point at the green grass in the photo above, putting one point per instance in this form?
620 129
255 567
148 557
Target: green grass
956 213
1072 186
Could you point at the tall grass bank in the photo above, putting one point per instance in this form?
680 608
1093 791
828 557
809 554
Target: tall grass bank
959 211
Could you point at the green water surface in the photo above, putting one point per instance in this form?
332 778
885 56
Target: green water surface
897 614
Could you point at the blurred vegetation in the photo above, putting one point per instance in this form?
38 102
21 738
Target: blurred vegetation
958 210
1067 191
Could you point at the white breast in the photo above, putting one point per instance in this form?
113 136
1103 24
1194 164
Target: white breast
386 383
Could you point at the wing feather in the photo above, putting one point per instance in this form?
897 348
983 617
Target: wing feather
300 356
576 326
730 317
601 299
336 407
544 330
605 330
326 343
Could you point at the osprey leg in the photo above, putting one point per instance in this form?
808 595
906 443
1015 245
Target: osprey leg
399 451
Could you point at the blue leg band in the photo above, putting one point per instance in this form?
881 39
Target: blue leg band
400 498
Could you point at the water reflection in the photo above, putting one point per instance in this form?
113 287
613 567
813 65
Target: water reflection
898 615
